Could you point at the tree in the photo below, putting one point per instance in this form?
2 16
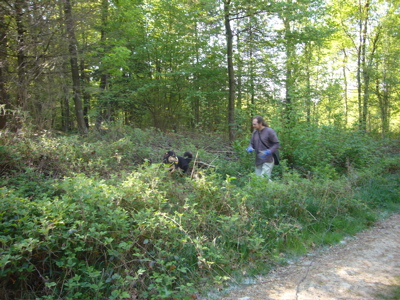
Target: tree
304 31
387 67
174 64
4 97
21 49
355 20
231 73
73 51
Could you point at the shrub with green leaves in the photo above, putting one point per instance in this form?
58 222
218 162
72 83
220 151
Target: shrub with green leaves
327 151
84 244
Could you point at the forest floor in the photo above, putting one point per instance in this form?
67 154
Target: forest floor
366 266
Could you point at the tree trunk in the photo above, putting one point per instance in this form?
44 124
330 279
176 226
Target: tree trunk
65 110
86 94
359 66
384 102
196 81
239 74
73 51
367 75
21 58
231 75
289 81
102 101
251 56
365 71
345 86
308 96
4 97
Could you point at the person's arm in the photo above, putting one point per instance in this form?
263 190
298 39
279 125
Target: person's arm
250 148
273 141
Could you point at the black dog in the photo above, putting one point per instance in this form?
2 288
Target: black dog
178 162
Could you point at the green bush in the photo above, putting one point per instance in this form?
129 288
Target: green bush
84 245
328 152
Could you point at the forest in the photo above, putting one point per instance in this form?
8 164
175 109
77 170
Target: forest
94 92
201 64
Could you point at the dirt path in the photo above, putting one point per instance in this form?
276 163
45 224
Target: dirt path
364 267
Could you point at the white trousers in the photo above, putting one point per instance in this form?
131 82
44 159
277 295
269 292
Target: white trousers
265 170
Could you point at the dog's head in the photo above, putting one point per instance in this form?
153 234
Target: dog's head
170 158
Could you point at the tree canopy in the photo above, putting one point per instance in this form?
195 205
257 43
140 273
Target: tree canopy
204 64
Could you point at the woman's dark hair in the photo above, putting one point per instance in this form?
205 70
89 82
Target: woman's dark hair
260 120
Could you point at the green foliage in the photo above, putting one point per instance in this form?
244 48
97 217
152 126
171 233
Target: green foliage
84 245
101 218
328 151
8 161
380 191
160 63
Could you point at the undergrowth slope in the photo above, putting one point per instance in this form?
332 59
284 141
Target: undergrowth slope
98 217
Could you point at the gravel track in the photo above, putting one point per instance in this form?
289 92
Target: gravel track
366 266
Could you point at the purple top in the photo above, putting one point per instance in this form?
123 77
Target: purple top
262 140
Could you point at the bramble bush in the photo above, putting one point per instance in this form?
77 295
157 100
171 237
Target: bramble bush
87 223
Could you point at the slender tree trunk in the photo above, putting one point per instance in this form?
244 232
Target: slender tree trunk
65 110
251 56
383 95
197 85
367 74
289 81
4 97
102 100
86 94
363 68
345 86
385 88
73 52
231 75
365 71
21 57
239 73
308 80
103 104
359 68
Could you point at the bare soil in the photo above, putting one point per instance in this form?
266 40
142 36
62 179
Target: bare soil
366 266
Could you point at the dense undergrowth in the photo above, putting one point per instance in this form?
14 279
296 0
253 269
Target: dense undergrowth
98 217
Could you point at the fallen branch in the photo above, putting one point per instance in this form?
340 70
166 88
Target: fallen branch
201 164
